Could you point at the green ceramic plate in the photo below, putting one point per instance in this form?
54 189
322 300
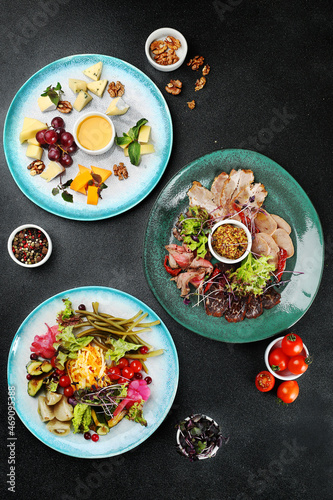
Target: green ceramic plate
285 198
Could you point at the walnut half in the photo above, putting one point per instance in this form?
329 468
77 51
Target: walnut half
200 83
64 107
116 89
120 171
196 62
191 104
174 87
36 167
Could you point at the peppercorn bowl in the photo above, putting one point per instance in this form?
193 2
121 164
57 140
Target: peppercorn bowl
29 246
228 243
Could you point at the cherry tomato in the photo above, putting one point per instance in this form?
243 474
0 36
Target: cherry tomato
265 381
122 363
299 364
122 381
278 360
127 372
136 366
292 344
60 372
144 349
64 381
68 391
114 373
53 360
95 438
288 391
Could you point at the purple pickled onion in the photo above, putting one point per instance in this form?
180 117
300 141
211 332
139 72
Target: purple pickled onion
186 301
194 237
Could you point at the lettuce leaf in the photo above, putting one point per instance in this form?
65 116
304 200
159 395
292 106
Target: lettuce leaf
82 418
68 345
68 311
195 225
135 413
251 277
120 347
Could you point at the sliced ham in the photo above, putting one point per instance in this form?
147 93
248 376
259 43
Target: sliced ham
180 255
202 197
217 187
281 223
283 240
265 223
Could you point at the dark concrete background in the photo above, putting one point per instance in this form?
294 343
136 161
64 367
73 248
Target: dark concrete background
263 55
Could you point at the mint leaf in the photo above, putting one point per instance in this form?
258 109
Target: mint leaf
134 131
67 184
67 197
54 93
55 191
122 141
134 150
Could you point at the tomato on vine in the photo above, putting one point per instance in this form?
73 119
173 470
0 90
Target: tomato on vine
288 391
292 344
278 360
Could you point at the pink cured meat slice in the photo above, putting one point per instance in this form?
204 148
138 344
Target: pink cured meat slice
180 255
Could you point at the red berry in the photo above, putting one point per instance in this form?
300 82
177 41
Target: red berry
148 380
87 435
64 381
144 349
82 307
68 391
33 356
29 377
95 438
138 376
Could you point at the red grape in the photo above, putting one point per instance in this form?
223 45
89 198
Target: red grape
50 137
57 122
40 136
66 160
71 149
59 131
54 154
66 139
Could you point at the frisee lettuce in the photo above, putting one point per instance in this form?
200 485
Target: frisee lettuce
120 347
68 345
195 226
252 275
135 413
82 418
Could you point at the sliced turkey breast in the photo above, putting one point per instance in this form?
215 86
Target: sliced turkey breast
281 223
265 223
283 240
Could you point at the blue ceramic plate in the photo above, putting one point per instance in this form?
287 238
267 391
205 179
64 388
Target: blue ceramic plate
145 101
163 370
285 198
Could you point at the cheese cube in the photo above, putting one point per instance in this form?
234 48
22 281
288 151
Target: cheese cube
34 152
82 100
45 104
33 141
94 72
81 170
117 107
144 133
77 85
80 180
97 88
52 170
145 149
30 127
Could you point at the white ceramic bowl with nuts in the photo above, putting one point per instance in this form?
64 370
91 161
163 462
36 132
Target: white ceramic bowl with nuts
162 34
33 249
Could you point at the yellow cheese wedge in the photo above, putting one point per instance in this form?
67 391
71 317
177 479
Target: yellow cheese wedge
77 85
92 195
117 107
33 141
30 127
34 151
82 169
82 100
144 133
98 87
105 174
146 149
94 72
52 170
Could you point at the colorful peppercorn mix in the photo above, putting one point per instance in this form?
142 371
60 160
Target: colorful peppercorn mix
30 246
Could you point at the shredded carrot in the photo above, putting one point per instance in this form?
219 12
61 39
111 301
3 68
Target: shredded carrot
88 368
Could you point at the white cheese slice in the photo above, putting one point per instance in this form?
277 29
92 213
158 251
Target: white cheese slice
117 107
77 85
33 141
82 100
98 87
52 170
34 151
94 72
145 149
45 104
